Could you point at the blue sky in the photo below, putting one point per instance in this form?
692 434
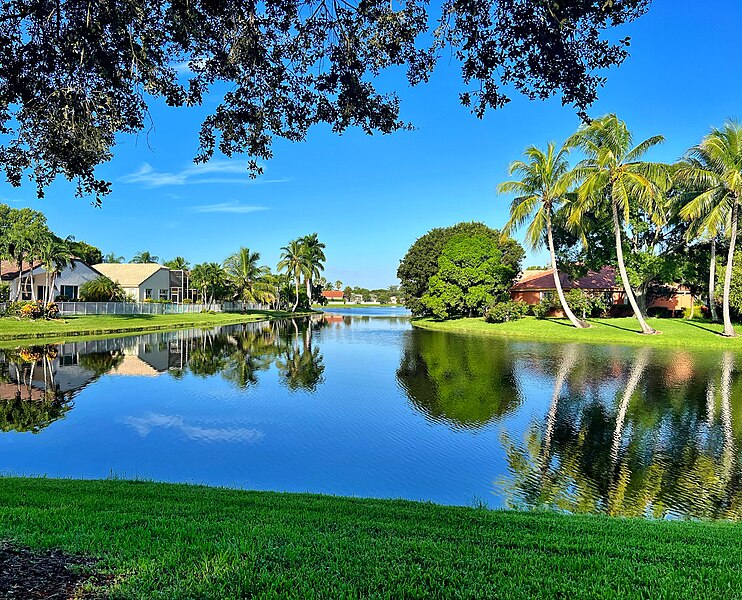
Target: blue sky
370 197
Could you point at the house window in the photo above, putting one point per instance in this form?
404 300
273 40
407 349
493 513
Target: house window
148 294
69 291
41 292
163 294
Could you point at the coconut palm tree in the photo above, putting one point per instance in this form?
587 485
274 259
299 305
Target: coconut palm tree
54 255
248 277
315 255
545 178
145 257
210 279
177 264
611 177
113 258
294 262
714 168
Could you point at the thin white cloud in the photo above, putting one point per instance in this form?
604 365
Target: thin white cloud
197 174
227 207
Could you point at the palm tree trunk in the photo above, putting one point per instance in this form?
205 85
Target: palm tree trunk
646 329
557 283
296 289
728 328
308 281
712 282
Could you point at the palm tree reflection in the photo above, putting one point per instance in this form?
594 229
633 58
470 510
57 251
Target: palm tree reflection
660 448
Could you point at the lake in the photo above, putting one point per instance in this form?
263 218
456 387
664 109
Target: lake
357 403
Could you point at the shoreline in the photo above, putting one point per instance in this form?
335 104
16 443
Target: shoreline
180 540
134 326
675 333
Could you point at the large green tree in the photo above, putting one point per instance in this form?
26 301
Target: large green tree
76 74
420 262
470 277
545 180
613 174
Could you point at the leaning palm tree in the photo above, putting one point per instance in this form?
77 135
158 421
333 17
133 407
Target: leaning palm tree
714 168
145 257
611 177
247 276
294 262
545 178
315 255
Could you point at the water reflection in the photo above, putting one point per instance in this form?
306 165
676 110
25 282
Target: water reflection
657 441
38 383
464 381
395 412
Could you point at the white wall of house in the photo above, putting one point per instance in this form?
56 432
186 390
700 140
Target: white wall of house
67 282
155 287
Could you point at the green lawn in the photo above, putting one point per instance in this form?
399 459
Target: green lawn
675 332
179 541
12 328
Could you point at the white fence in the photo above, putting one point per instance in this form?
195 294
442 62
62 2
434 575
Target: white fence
145 308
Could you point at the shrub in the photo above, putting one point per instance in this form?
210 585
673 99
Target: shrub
543 308
101 289
660 311
31 309
512 310
187 301
4 291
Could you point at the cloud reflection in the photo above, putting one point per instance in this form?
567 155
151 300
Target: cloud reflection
145 425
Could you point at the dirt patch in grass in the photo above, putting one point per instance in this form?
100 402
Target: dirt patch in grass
52 574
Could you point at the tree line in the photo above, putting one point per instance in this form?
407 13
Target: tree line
241 276
662 222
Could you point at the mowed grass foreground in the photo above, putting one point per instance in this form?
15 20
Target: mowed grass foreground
180 541
621 331
11 328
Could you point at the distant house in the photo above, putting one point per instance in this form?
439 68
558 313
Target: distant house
333 295
534 285
147 281
356 298
31 280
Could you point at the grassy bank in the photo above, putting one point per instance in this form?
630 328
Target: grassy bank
675 332
14 329
177 541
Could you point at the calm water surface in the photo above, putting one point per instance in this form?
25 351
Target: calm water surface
359 403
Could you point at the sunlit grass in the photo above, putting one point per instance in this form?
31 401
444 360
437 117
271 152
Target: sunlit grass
179 541
12 328
625 331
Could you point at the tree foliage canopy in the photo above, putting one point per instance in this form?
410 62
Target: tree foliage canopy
470 277
75 74
421 261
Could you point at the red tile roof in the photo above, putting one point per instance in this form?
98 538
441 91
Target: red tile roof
603 280
334 294
540 280
9 268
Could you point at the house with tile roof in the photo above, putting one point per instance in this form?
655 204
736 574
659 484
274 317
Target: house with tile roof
29 283
536 284
145 281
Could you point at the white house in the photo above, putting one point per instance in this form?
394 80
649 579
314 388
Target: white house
147 281
67 283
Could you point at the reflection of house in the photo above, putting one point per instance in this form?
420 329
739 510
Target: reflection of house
333 295
536 284
147 281
131 364
32 280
